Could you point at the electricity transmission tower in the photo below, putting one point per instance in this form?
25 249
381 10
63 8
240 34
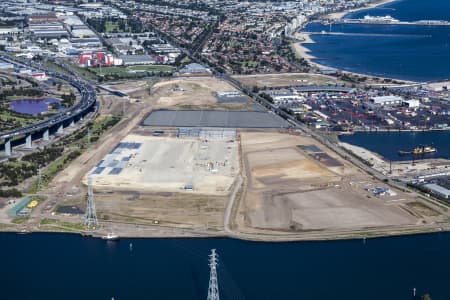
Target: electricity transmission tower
213 289
91 215
39 185
89 136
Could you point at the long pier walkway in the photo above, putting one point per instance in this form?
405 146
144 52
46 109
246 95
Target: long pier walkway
381 22
365 34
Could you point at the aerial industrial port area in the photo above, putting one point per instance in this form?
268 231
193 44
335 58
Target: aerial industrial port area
120 121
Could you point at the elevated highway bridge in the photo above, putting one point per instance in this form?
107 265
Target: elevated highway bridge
59 121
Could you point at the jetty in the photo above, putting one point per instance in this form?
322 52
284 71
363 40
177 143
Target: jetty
364 34
386 22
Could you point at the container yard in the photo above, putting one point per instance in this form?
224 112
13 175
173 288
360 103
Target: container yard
351 109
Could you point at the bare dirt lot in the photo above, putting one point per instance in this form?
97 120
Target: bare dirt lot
170 164
288 189
162 209
188 93
280 80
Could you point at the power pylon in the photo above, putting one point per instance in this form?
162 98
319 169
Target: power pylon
213 289
89 136
39 185
90 221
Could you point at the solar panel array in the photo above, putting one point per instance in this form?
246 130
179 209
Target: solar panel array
114 162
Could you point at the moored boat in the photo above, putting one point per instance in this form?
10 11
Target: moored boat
419 150
110 237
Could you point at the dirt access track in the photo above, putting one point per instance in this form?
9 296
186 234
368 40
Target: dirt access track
290 189
286 79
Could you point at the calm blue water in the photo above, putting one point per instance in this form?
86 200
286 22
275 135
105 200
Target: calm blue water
32 106
420 53
409 10
387 144
57 266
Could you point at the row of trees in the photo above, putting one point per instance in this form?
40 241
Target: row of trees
14 193
21 92
44 157
121 25
69 99
12 173
137 75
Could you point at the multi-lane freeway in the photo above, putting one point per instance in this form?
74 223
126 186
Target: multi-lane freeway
81 108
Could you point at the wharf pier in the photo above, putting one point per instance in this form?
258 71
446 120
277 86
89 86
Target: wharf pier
385 22
364 34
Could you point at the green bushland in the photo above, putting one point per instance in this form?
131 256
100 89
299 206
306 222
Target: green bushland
77 141
51 159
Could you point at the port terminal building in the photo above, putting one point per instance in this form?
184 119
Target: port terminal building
438 190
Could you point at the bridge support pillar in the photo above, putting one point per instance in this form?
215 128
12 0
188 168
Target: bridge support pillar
28 142
72 123
8 148
46 135
60 129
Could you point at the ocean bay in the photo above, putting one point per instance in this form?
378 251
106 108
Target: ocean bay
409 52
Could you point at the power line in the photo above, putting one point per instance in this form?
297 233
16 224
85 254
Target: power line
89 135
39 185
213 289
90 221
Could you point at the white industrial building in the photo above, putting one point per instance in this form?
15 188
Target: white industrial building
129 60
285 97
438 190
321 115
413 103
387 100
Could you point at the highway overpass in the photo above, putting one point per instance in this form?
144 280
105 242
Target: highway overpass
59 121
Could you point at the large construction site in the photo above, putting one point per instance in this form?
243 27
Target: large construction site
192 161
294 184
193 158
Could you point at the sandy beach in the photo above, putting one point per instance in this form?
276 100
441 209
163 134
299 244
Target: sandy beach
302 52
304 38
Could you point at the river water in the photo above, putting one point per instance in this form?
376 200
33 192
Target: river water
62 266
